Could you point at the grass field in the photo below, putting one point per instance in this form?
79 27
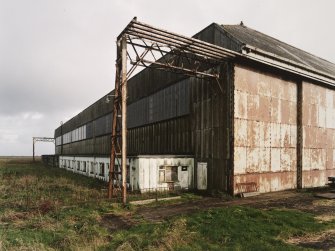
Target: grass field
43 208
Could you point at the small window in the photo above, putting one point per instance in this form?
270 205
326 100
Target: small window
102 169
128 174
84 166
92 168
168 174
107 167
78 165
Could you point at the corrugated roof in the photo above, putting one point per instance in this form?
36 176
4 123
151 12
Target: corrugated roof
271 45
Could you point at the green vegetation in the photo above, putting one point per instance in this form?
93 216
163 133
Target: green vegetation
233 228
43 208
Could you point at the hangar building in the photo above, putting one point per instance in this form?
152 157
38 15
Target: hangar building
273 125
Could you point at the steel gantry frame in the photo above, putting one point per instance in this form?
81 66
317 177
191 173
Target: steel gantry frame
151 47
42 139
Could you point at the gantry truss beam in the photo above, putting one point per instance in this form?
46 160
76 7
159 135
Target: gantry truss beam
143 45
42 139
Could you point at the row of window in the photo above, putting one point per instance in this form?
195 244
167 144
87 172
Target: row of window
80 133
99 168
58 140
93 168
170 102
166 174
102 125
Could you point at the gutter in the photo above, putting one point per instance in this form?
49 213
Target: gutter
286 64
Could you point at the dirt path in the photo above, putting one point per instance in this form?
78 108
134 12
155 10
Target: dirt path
303 201
160 213
287 199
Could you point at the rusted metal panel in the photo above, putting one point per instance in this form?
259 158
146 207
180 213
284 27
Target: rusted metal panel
264 86
285 133
253 133
264 134
240 157
253 107
316 178
269 182
275 135
241 132
318 159
265 159
275 159
306 159
285 111
253 160
241 104
275 110
264 114
266 139
287 159
330 158
318 134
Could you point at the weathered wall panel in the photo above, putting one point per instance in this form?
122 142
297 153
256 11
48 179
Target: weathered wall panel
318 121
167 137
160 126
265 130
209 122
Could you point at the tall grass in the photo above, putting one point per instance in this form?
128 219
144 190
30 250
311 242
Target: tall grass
48 208
44 208
232 228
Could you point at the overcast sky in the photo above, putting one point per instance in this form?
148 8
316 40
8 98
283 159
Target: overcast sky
57 56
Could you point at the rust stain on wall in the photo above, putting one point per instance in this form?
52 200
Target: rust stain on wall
265 130
318 134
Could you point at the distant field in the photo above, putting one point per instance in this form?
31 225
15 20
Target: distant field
43 208
17 158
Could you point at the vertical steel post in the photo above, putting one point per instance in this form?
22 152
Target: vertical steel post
124 117
299 134
114 123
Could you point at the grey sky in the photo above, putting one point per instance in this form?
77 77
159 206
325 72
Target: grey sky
57 56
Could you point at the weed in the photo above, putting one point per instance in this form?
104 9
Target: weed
45 208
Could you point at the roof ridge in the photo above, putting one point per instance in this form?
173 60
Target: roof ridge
294 47
220 26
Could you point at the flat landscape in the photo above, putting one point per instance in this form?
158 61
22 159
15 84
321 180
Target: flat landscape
44 208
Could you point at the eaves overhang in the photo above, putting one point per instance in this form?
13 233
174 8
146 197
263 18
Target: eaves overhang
276 61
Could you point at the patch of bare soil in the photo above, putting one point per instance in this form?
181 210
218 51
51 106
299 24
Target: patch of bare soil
159 213
305 202
321 241
115 222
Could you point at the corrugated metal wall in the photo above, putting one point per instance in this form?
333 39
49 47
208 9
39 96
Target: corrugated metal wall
167 137
170 102
265 121
318 121
157 124
210 124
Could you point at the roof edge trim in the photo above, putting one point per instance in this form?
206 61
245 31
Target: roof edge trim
283 63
